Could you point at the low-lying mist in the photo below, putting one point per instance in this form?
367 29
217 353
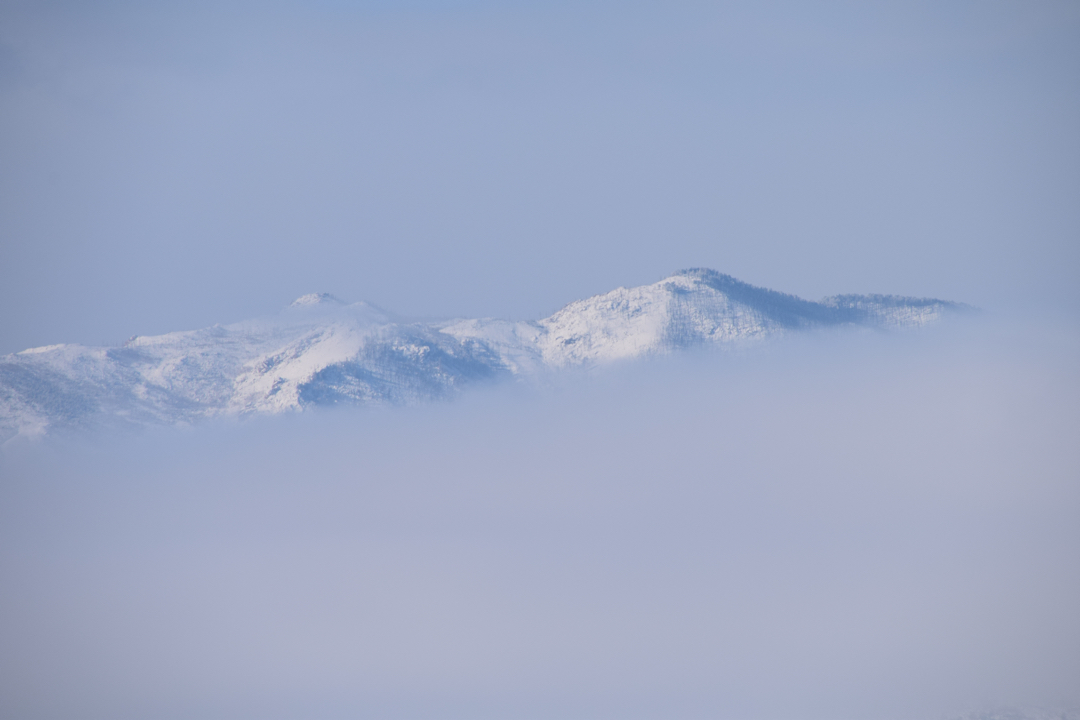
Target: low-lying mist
846 525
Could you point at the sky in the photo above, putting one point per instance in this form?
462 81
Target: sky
171 166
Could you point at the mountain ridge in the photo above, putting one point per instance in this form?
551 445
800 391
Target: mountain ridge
322 351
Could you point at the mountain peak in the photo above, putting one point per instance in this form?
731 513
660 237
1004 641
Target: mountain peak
311 299
700 273
321 351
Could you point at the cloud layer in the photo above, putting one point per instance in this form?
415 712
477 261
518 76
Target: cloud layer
839 526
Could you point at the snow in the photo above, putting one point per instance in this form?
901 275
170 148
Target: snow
316 299
320 350
37 350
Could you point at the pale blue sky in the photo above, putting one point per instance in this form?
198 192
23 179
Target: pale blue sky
168 168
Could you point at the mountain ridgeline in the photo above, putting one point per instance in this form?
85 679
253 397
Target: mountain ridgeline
322 351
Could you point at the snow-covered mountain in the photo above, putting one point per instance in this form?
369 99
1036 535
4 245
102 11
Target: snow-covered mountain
321 351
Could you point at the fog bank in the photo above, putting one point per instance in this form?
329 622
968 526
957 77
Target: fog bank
842 526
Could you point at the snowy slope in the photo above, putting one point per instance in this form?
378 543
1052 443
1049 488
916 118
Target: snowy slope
321 351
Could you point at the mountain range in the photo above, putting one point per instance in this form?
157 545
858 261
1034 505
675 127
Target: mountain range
322 351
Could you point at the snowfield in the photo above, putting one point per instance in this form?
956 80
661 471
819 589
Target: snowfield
322 351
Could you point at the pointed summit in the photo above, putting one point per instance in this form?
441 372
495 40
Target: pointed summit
313 299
